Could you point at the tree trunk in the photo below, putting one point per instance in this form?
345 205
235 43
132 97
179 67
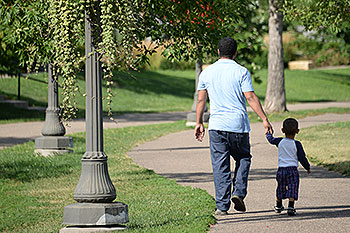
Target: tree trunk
275 100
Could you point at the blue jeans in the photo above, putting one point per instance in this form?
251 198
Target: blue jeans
223 145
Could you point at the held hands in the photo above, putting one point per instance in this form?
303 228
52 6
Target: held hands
268 126
199 132
308 171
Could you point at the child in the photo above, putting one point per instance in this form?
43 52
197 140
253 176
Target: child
290 152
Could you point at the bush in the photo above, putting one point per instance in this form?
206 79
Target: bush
180 65
323 48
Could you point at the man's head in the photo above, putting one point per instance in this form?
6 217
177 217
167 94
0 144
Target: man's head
227 47
290 126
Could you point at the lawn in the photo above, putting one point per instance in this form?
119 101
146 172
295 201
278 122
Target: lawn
35 189
165 91
11 114
328 146
312 85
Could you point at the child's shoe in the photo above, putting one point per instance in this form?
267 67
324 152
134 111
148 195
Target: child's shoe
278 209
291 211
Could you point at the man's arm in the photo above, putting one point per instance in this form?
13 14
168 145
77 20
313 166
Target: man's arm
255 104
201 101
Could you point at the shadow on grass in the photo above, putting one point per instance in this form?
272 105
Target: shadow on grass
21 164
11 141
341 167
148 81
335 77
309 101
9 112
32 102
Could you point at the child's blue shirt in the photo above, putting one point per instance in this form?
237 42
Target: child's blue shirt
290 152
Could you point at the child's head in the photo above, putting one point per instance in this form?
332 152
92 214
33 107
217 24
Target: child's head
290 126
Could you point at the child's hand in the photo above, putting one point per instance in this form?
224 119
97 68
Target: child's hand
308 171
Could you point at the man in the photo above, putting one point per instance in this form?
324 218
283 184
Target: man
228 86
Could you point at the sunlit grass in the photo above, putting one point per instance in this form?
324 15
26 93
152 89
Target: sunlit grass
328 145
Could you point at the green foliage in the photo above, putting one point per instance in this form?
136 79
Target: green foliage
192 29
316 14
176 65
9 62
248 32
51 31
325 48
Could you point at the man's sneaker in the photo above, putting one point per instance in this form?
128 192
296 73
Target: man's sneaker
278 209
239 204
291 211
220 212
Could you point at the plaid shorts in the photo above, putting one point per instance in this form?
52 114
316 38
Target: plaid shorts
287 183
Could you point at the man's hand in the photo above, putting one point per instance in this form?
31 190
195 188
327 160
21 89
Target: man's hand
199 132
308 171
268 127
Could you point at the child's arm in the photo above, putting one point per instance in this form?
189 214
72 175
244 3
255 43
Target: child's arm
272 140
302 157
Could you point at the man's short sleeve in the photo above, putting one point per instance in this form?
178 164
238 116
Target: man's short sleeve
202 84
247 82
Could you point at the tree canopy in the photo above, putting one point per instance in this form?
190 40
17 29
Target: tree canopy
52 31
315 14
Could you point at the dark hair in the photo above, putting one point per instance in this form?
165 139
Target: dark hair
227 47
290 126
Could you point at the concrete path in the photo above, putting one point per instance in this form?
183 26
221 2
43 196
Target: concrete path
324 204
17 133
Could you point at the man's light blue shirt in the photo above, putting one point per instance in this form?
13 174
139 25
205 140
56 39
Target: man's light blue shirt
225 82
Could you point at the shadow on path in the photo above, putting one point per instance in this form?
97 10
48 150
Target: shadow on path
317 173
174 148
306 213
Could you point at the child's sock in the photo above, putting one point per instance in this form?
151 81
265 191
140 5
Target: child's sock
279 204
291 204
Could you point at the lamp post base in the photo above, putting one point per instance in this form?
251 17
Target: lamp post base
51 145
95 214
91 229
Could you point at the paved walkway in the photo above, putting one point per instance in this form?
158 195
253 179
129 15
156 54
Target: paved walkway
16 133
324 204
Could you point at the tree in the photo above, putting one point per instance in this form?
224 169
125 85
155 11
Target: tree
275 100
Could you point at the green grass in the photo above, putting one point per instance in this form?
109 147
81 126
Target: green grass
298 114
311 85
166 91
328 146
35 189
13 114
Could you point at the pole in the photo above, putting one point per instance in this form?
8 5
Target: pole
94 192
95 184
